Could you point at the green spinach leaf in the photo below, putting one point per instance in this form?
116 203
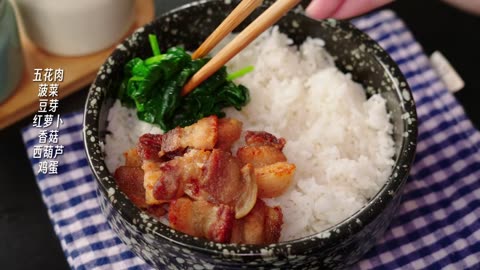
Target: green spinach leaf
153 87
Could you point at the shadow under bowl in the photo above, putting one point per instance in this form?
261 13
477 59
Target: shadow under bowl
343 244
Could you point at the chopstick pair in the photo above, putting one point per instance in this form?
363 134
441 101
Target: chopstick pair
250 33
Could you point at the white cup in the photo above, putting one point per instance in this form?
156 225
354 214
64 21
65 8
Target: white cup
76 27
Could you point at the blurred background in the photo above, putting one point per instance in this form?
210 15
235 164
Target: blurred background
27 236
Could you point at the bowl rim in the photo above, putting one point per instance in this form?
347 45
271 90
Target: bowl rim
347 227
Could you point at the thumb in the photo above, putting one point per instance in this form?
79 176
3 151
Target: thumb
341 9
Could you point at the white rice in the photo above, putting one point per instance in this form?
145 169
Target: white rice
340 141
124 130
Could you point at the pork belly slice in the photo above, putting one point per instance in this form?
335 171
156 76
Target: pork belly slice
168 180
272 173
201 135
171 179
149 145
208 133
261 138
274 179
261 155
229 131
262 225
203 175
202 219
130 181
221 178
156 211
132 158
155 171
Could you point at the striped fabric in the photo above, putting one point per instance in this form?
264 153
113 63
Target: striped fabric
437 226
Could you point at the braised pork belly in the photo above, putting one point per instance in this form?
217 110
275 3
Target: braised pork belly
210 192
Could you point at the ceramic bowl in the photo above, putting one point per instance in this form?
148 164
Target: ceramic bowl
335 247
76 28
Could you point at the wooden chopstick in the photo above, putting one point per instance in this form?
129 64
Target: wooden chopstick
252 31
245 8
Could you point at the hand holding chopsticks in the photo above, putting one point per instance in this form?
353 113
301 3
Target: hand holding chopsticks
250 33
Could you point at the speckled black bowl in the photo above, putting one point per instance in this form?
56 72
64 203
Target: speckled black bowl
336 247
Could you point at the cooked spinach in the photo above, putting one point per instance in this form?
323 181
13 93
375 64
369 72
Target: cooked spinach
153 87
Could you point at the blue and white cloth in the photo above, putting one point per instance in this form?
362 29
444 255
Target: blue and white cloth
437 226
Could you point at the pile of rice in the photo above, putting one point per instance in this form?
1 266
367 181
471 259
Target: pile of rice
339 140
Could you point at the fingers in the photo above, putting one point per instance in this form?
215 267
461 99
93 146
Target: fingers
341 9
321 9
356 7
472 6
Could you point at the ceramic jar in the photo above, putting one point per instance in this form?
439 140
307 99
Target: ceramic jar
75 28
11 60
